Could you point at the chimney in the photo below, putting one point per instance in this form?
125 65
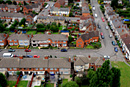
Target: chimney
89 56
28 36
69 59
122 30
4 35
46 57
74 58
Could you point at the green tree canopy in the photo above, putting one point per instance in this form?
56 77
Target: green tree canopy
22 22
70 84
24 3
115 77
2 28
9 1
54 28
114 3
70 38
3 81
14 2
70 14
78 80
40 26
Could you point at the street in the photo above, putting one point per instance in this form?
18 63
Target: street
106 49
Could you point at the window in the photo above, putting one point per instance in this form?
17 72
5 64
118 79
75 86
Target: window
25 68
10 40
20 68
11 43
20 43
14 68
10 68
79 45
29 68
26 44
61 68
41 68
66 72
34 41
64 41
36 68
45 68
0 40
55 68
15 40
64 44
16 43
1 43
51 68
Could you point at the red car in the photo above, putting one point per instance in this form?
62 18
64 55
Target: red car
36 56
103 19
27 50
101 33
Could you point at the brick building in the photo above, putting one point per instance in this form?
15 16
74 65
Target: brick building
44 40
3 39
87 38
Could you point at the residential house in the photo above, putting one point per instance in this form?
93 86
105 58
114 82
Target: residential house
3 39
8 17
87 38
32 7
45 40
30 18
39 66
9 8
22 1
85 8
19 39
107 1
50 19
84 63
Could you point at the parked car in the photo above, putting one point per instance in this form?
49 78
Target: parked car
107 57
113 43
36 56
11 50
94 8
115 49
95 15
102 37
28 56
99 26
110 35
106 27
27 50
0 50
101 33
103 19
15 55
63 50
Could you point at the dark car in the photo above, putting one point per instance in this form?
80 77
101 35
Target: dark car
99 26
11 50
63 50
113 43
102 37
15 56
0 50
115 49
28 56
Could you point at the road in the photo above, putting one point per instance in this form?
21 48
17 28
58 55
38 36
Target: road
107 47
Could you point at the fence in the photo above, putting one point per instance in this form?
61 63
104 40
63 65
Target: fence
17 81
31 80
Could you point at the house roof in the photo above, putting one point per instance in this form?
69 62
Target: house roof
116 23
51 17
19 37
79 62
12 6
2 5
2 37
8 14
31 6
89 35
52 37
64 9
59 63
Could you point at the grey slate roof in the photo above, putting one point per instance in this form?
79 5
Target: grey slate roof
64 9
35 63
51 17
59 63
8 14
116 23
52 37
19 37
2 36
12 6
89 35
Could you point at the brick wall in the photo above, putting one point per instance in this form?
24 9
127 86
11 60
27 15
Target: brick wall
80 43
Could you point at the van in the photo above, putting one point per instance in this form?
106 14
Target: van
7 55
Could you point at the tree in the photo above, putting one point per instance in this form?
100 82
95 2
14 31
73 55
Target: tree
114 3
12 28
14 2
70 84
41 29
24 3
9 2
102 76
78 81
20 3
2 28
70 39
54 28
115 77
70 1
3 81
91 73
70 14
22 22
40 26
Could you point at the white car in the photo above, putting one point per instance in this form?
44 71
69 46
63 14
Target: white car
110 35
106 57
106 27
95 15
94 8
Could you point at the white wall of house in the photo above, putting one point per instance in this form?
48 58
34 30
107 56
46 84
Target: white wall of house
24 42
79 68
64 70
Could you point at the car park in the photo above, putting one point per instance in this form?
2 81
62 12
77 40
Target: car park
63 50
11 50
115 49
113 43
27 50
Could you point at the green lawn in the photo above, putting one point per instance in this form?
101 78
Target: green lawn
49 85
11 83
125 73
74 42
40 32
128 62
31 32
13 47
55 32
89 47
64 81
22 83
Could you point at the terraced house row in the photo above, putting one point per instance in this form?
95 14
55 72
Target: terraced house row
38 40
51 65
120 30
